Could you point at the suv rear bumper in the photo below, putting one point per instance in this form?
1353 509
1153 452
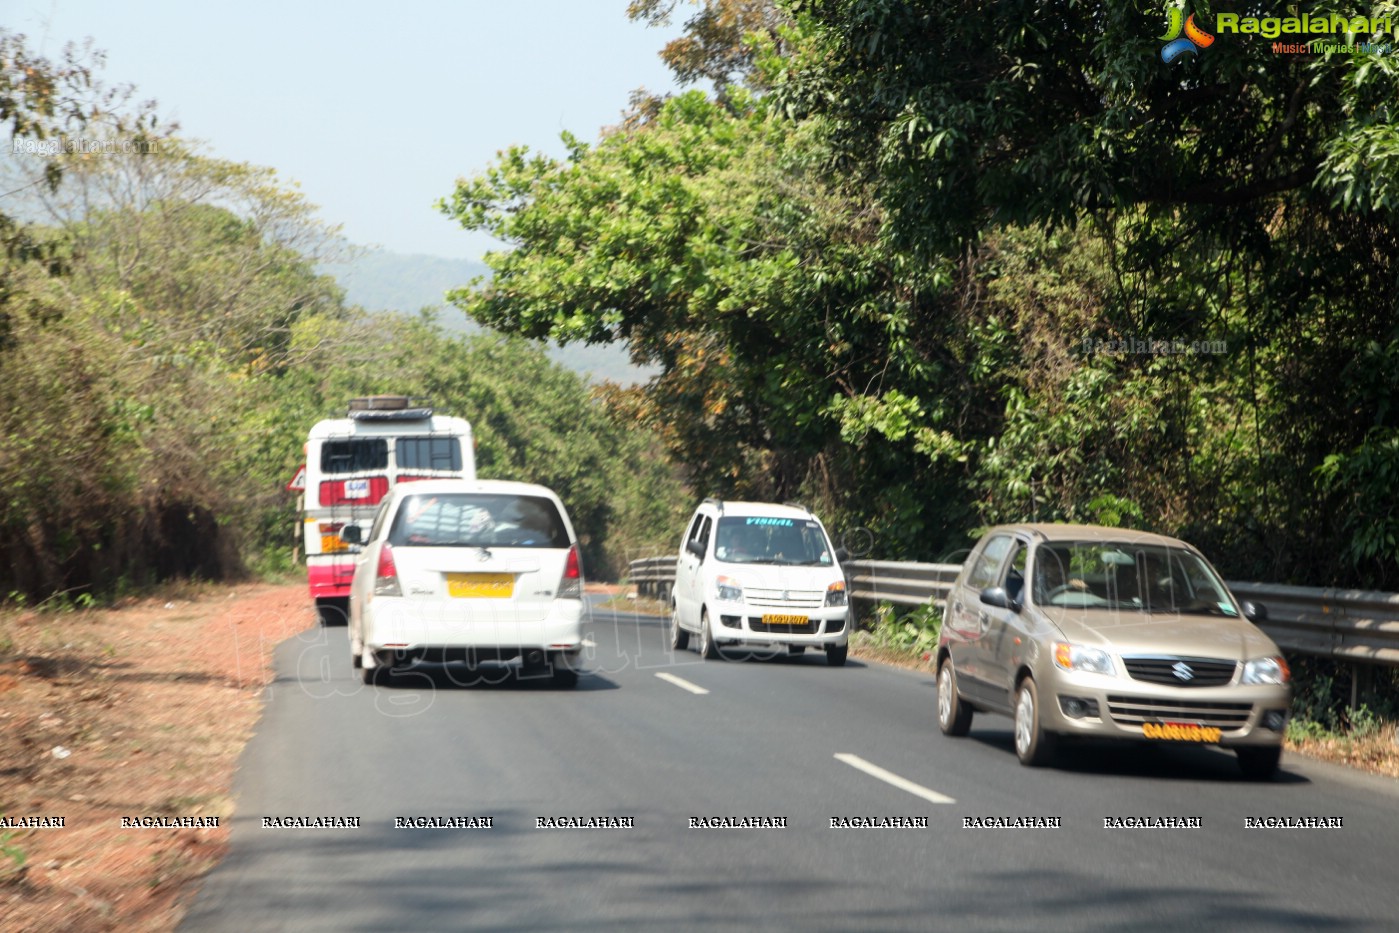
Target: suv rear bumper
413 625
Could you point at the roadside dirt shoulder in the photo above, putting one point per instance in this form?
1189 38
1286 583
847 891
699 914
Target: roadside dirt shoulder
137 712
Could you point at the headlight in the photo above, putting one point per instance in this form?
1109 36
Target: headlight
1266 671
1079 658
835 594
728 590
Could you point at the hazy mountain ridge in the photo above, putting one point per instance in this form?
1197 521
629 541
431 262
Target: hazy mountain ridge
405 283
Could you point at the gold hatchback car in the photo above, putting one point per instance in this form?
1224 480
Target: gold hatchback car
1077 630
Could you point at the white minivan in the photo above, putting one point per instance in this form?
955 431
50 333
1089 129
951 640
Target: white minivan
467 570
759 575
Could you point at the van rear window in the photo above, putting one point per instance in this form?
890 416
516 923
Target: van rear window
478 520
355 455
428 453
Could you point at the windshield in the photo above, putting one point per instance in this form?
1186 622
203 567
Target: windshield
1122 575
749 539
478 520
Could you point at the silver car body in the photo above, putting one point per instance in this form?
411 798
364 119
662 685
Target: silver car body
1123 634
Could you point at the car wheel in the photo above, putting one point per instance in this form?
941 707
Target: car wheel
679 638
564 674
1259 764
707 647
377 675
836 655
954 716
1033 746
333 610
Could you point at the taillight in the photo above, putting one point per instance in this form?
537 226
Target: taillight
386 575
571 583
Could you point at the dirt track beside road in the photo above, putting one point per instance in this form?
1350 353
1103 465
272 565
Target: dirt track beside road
139 711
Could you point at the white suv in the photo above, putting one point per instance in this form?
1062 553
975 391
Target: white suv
759 575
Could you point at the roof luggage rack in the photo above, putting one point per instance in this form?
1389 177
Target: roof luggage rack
390 408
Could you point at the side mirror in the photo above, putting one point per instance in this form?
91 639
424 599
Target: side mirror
842 555
352 534
696 548
1255 612
998 597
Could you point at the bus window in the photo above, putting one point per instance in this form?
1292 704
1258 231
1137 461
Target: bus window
428 453
354 455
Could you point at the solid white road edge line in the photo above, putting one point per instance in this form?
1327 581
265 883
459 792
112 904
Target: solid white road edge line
682 683
889 777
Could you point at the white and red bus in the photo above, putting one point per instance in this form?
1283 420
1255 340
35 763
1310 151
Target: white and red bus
352 463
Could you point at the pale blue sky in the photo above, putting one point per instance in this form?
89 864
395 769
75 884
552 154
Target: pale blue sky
374 108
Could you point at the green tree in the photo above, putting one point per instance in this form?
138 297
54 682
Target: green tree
712 241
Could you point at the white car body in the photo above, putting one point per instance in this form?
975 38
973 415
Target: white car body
516 593
768 599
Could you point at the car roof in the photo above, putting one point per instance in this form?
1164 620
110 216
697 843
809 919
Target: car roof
432 486
1056 531
730 508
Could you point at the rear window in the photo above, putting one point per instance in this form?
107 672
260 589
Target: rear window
478 520
354 456
428 453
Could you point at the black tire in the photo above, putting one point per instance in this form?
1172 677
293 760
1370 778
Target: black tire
679 638
708 649
333 610
1033 746
1259 764
954 715
564 674
836 655
377 675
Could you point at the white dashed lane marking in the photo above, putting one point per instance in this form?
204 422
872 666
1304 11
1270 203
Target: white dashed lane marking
682 683
889 777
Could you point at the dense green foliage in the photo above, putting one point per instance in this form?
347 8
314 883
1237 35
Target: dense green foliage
944 264
166 343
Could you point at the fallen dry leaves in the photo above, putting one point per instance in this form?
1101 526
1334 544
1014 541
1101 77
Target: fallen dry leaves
140 710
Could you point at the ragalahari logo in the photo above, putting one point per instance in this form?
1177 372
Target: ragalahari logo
1176 44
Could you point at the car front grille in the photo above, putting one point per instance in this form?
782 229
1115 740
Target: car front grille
1133 711
756 624
1181 672
783 599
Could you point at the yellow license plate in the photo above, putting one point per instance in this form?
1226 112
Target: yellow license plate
1180 732
784 620
481 585
331 544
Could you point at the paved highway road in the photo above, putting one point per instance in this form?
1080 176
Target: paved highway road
660 740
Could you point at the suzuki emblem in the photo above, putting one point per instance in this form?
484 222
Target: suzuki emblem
1183 671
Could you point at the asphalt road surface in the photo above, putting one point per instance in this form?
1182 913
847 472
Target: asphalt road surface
667 748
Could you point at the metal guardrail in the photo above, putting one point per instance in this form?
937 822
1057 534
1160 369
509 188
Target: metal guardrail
902 582
653 576
1347 625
